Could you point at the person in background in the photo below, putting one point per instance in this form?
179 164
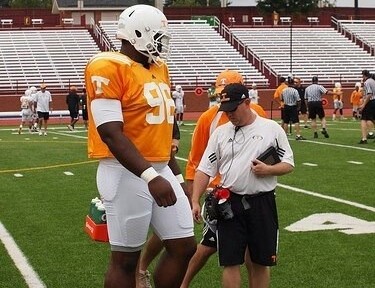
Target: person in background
34 90
252 222
212 97
43 99
292 102
27 108
338 104
355 100
313 95
253 94
178 96
277 96
83 103
303 108
367 107
131 118
72 100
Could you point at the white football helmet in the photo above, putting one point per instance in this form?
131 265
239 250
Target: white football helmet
337 85
178 88
146 28
33 89
27 92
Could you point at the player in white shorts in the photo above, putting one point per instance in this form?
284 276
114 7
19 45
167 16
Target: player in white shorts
27 105
131 118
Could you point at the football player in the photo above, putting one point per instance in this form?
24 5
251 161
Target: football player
131 116
179 101
27 106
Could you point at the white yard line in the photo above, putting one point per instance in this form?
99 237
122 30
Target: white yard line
32 279
315 194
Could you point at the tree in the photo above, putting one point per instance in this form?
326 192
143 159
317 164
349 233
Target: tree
4 3
30 3
291 7
192 3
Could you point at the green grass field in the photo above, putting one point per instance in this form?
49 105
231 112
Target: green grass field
46 184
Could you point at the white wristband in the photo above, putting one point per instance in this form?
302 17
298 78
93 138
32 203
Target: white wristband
149 174
180 178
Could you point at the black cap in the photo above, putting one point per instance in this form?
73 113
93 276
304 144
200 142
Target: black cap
232 95
315 79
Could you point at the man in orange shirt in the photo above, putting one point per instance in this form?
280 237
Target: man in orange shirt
130 106
277 96
355 100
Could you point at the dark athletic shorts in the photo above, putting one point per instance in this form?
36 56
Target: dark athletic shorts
315 109
209 238
256 228
43 115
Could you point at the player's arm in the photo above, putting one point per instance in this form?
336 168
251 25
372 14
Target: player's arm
107 116
200 184
198 145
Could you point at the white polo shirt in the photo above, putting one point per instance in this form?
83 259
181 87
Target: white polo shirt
231 153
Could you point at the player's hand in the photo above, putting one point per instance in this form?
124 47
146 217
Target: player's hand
196 211
162 191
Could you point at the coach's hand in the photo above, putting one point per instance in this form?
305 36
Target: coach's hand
196 211
162 191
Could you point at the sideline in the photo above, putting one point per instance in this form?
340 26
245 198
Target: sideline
32 279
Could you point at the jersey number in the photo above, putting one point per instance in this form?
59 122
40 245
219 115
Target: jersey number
158 95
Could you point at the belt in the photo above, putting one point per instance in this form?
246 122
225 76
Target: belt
244 199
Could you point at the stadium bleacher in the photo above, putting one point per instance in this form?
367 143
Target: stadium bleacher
55 57
360 30
315 51
199 54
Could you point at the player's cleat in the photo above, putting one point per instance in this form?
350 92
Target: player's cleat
325 133
40 133
19 130
45 133
315 134
362 142
144 280
70 127
298 138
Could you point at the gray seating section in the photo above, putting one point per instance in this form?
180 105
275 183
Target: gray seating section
315 51
199 53
55 57
360 30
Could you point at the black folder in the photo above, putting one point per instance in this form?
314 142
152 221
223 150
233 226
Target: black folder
270 156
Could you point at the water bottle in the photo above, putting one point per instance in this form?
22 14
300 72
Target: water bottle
99 216
92 206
